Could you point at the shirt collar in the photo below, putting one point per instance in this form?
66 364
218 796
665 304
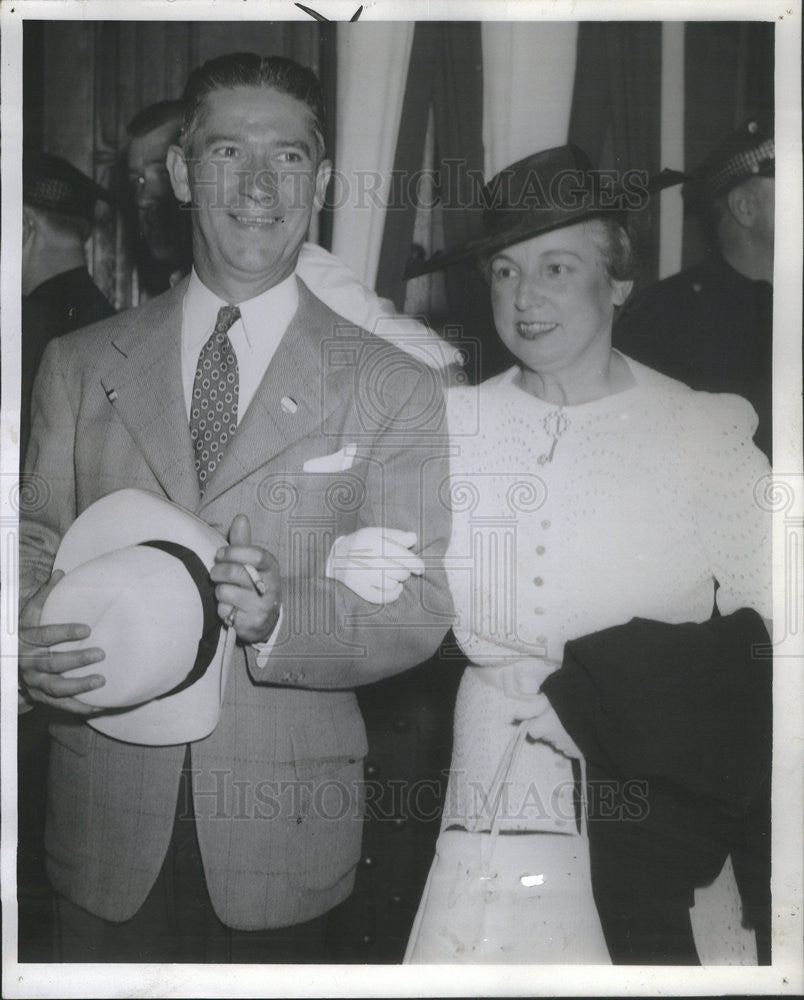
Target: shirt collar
272 310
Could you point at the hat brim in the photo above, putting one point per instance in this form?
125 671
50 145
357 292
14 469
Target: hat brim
481 245
145 613
540 221
132 517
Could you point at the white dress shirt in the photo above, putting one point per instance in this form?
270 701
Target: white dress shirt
254 337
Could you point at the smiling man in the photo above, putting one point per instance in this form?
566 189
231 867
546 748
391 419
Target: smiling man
239 846
251 164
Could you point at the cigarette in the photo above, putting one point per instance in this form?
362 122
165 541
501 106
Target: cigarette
256 579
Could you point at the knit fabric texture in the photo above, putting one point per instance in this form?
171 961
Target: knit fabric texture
650 495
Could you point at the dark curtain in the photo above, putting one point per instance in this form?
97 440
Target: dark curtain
32 82
445 75
616 111
728 75
328 73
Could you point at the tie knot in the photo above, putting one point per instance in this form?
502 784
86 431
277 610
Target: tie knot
227 316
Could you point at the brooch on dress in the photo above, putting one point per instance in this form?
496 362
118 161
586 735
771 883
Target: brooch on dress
555 423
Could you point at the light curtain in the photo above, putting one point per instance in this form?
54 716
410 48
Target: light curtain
371 76
528 73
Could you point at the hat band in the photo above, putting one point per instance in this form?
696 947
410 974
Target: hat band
742 166
208 643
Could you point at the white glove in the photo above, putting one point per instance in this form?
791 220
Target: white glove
374 562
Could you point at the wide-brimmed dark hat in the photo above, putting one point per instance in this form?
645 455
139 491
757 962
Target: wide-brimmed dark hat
549 190
748 151
53 183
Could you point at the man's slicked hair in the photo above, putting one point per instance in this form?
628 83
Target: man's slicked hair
247 69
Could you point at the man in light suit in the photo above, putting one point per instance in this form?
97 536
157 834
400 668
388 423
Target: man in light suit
236 847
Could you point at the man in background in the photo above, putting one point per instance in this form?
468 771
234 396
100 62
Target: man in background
58 294
57 218
711 325
162 246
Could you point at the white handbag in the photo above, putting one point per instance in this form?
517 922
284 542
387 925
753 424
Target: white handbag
521 897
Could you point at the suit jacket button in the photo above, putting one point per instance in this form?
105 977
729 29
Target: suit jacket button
372 770
398 822
368 861
401 725
396 899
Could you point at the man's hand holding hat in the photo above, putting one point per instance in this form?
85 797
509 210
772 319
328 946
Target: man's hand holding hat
247 602
41 669
134 570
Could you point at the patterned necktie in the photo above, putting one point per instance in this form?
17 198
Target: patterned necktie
213 412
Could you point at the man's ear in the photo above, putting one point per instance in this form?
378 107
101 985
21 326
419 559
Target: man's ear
742 203
179 173
620 290
321 181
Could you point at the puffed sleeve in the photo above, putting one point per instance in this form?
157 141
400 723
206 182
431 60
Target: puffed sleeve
730 482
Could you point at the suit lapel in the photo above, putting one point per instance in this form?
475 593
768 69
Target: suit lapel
145 388
290 402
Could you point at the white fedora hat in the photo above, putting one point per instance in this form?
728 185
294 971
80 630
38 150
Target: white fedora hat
137 572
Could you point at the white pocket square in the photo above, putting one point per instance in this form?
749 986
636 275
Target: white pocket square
338 461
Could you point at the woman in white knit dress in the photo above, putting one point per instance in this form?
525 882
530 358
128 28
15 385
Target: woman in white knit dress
647 497
586 490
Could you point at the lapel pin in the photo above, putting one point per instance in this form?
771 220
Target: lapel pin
111 395
289 405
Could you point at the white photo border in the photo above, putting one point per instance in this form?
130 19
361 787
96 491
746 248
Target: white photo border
785 976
